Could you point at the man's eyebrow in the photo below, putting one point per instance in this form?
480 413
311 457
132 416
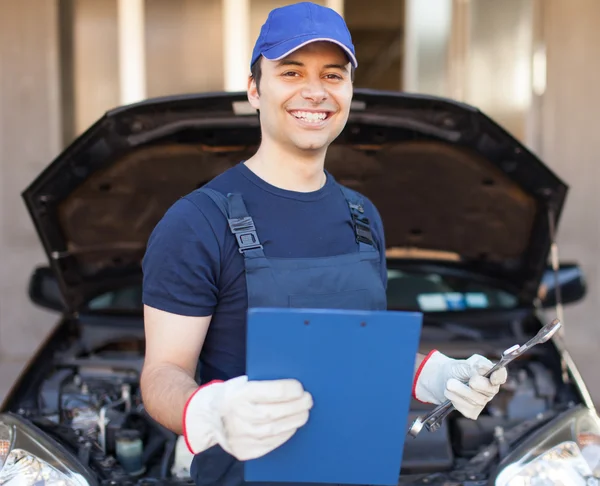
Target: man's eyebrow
289 62
341 67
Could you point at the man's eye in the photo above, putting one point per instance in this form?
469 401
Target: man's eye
289 73
334 76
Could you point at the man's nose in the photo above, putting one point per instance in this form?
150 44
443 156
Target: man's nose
314 90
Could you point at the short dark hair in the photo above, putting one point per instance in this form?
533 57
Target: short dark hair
256 72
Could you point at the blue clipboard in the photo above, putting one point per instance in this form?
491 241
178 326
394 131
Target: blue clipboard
359 367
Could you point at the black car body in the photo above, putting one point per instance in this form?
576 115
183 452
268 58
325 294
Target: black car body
469 216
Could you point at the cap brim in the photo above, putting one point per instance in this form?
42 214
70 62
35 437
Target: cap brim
284 49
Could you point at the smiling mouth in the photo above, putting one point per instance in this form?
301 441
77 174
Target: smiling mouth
311 116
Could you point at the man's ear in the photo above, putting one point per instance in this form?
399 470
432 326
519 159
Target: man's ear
253 96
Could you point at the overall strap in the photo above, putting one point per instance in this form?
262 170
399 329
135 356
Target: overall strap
219 199
362 228
240 222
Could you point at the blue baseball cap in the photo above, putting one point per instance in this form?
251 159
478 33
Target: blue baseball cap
291 27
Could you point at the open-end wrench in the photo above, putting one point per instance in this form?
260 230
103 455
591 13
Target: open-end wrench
433 420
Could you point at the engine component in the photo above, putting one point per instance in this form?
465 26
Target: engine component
526 402
529 391
428 452
544 384
79 408
129 449
111 420
49 398
183 459
469 436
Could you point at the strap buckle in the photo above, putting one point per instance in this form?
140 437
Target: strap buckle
357 207
245 233
362 229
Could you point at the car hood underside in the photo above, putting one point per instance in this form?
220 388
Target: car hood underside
445 178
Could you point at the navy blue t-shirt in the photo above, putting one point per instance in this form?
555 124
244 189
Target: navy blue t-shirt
192 265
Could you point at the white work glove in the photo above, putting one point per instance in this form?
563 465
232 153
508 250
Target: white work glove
248 419
440 377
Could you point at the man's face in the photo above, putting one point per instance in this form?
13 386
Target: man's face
304 98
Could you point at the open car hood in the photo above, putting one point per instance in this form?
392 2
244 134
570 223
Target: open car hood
445 178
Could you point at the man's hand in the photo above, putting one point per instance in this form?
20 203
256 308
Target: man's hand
248 419
440 377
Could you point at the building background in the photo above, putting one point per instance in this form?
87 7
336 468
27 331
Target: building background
530 64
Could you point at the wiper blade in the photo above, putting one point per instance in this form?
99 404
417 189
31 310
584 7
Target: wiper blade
464 331
454 329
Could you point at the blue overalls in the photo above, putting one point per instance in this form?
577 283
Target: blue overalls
350 281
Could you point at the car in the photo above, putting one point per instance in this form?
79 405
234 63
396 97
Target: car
470 217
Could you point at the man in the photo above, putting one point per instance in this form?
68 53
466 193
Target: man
275 230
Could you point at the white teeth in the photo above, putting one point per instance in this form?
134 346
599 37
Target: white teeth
309 116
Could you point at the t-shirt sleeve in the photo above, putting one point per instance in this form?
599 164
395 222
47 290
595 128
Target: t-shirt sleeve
182 263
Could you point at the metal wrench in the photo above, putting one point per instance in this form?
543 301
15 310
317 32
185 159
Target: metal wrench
433 420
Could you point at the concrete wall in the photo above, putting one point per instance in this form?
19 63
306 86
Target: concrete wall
568 126
498 74
95 60
29 139
183 52
478 52
181 56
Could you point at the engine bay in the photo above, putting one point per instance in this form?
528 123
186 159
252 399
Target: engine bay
89 399
92 404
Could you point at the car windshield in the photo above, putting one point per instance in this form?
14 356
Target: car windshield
435 291
412 289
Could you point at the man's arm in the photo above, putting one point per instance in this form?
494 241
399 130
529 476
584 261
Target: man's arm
248 419
173 345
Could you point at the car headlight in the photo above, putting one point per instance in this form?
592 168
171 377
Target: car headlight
566 452
28 458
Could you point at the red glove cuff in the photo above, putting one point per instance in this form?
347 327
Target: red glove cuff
414 389
183 428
